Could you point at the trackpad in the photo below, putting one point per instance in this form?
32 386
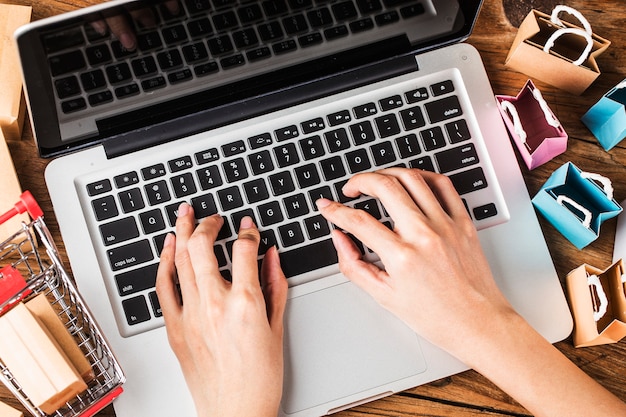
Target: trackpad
340 342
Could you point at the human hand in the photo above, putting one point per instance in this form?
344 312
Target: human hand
436 278
227 337
123 28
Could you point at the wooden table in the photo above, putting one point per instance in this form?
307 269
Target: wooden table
468 393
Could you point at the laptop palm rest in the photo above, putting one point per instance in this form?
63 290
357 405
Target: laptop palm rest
323 334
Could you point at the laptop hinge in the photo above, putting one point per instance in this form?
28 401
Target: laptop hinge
212 118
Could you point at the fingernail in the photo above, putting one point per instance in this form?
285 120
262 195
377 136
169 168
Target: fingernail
169 240
322 202
183 209
127 40
246 223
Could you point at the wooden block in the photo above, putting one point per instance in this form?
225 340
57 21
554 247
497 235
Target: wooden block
10 190
8 411
24 368
31 349
12 103
44 312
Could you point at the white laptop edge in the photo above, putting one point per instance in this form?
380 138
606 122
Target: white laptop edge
535 291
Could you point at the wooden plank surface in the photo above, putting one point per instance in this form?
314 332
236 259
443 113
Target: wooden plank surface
468 393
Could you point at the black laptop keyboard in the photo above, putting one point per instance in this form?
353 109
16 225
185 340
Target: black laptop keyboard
207 37
275 176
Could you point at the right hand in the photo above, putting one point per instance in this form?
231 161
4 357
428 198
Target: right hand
436 277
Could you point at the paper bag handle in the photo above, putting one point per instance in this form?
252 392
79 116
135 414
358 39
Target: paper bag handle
554 18
594 281
517 123
607 187
586 221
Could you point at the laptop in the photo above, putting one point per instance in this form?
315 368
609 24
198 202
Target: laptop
259 108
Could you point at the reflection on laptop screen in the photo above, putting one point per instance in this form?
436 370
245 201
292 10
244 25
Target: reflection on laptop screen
187 56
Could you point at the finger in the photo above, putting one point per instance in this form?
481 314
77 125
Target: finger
144 17
166 282
185 225
245 254
364 274
446 194
388 189
173 6
415 183
122 29
361 224
274 285
202 255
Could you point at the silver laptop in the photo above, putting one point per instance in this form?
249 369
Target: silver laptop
259 108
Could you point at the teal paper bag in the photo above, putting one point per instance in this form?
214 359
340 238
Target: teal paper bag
607 118
576 203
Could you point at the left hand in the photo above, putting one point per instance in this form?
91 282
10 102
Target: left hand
227 337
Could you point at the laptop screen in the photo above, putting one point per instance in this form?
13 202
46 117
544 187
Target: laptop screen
142 72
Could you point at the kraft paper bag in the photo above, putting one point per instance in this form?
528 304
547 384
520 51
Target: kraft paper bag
576 203
607 118
534 128
598 304
556 52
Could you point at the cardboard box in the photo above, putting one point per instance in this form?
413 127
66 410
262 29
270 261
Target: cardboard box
10 191
44 312
12 103
39 365
8 411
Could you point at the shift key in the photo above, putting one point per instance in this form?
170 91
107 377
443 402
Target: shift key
130 255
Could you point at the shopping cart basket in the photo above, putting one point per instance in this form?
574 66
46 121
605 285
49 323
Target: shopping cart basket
32 252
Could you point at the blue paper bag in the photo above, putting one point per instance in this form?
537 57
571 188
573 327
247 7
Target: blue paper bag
576 203
607 118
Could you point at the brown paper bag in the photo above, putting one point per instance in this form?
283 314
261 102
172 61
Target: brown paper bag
598 304
556 52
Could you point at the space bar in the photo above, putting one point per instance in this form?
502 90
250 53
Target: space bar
308 258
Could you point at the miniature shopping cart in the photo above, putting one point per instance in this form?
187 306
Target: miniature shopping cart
32 252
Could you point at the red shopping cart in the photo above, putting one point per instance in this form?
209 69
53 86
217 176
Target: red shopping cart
30 265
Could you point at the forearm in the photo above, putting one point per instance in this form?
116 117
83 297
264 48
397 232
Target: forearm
522 363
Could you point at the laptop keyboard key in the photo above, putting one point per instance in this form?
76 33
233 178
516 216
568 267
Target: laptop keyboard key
66 63
157 193
456 158
136 280
256 190
209 177
443 109
412 118
183 185
131 200
130 255
136 310
105 208
152 221
316 227
281 183
307 175
291 234
99 187
468 181
308 258
230 198
270 213
433 138
204 206
235 170
119 231
124 180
